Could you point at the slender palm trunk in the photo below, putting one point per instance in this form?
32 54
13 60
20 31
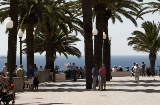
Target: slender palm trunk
48 51
87 25
30 44
12 45
152 63
99 40
107 46
152 58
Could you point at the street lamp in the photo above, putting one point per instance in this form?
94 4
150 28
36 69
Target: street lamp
110 38
104 60
9 25
95 32
20 34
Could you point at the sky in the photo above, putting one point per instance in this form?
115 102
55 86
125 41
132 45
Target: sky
119 32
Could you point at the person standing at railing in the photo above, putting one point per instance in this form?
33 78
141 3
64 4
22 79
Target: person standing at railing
4 69
143 68
20 72
74 70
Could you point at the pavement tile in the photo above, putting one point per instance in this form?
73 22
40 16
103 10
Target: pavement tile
119 91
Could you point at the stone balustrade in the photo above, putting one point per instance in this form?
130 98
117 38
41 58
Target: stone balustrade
18 83
44 76
60 77
120 74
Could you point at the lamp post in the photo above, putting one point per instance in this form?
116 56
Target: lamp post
95 32
20 34
104 51
9 25
109 41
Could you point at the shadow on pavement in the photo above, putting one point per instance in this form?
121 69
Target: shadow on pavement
45 103
137 90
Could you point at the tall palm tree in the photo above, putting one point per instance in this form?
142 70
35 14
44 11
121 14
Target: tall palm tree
87 26
12 11
32 13
61 44
111 9
147 41
63 15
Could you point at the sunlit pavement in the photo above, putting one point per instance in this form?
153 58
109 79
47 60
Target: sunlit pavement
119 91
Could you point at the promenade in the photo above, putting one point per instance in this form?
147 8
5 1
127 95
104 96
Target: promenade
119 91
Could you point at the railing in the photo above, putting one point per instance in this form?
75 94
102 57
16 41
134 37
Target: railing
157 72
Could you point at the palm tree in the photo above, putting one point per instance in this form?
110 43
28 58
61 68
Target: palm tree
61 44
111 9
12 38
147 41
30 13
87 27
66 18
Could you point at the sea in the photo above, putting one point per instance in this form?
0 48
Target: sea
118 60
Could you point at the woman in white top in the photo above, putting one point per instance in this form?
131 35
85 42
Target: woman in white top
136 70
114 69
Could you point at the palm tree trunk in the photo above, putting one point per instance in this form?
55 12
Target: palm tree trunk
106 48
30 44
152 58
48 51
99 40
87 25
13 36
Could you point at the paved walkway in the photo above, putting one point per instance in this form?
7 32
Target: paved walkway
119 91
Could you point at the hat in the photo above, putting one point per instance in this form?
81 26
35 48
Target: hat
119 66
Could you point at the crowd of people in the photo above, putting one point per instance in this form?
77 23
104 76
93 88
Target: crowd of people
32 75
74 72
136 70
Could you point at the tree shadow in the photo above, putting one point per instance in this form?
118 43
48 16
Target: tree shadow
136 90
44 103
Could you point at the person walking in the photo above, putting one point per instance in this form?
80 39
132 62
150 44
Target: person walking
94 76
143 67
136 71
102 73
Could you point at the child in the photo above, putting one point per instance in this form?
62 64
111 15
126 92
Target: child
30 82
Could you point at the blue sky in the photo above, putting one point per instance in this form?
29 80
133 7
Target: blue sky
119 32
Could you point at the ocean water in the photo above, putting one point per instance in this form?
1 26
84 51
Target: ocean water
118 60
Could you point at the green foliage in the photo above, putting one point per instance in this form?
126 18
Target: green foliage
61 43
147 41
115 9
